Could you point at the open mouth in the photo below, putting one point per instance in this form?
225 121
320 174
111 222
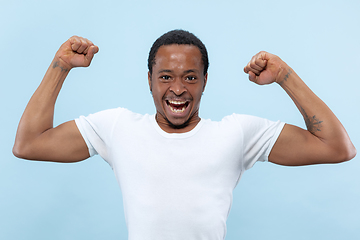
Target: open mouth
177 106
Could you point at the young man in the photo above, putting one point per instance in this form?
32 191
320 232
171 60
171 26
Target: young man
176 170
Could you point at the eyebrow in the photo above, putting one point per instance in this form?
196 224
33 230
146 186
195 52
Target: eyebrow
164 70
191 70
169 71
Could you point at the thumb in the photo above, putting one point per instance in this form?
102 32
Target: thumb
252 77
264 55
262 59
90 54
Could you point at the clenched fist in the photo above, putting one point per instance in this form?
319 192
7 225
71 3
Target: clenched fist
76 52
265 68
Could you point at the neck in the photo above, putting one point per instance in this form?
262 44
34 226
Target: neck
168 127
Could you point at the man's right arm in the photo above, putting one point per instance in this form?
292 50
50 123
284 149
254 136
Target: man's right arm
36 138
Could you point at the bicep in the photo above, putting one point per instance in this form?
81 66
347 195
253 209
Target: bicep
61 144
296 147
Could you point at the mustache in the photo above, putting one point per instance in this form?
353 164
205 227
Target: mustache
177 98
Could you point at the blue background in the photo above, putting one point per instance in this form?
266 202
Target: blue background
319 39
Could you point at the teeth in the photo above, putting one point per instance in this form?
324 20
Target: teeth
177 102
177 110
177 106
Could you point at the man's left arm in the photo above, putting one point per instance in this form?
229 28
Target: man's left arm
324 141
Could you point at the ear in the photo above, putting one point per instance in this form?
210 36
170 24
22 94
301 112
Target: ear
149 80
205 81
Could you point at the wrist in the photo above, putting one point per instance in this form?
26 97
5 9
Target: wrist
284 74
58 63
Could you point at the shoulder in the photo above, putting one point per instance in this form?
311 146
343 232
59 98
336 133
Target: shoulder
231 124
243 120
106 119
246 124
233 120
112 114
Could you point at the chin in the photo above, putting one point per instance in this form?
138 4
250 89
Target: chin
178 124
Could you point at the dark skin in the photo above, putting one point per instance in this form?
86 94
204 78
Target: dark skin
324 141
177 84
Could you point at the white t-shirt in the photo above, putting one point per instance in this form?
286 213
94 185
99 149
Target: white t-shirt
177 186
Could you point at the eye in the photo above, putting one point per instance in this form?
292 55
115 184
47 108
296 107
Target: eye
191 78
165 77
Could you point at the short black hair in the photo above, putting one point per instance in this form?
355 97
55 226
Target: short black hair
178 36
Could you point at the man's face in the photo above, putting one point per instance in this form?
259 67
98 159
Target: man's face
177 83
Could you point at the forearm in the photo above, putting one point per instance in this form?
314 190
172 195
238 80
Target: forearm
320 121
39 112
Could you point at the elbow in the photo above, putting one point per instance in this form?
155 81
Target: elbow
351 153
347 153
19 151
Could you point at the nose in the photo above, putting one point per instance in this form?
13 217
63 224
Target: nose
178 87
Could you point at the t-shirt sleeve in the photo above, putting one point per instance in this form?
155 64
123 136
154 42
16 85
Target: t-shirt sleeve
259 137
96 130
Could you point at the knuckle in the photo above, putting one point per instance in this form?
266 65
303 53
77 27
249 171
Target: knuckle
74 38
88 41
252 65
262 52
258 61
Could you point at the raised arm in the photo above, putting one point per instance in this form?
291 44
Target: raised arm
36 138
324 141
